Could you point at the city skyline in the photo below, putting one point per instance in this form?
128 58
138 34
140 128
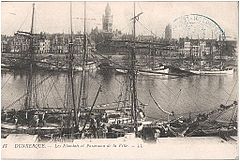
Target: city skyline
53 17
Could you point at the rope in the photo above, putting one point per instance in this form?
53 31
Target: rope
49 90
104 91
220 114
54 98
41 93
6 81
24 21
234 112
170 102
159 107
88 117
177 97
40 22
147 28
26 93
62 101
35 87
232 90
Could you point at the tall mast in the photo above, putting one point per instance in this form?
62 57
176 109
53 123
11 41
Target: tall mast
32 19
85 55
71 31
29 96
211 50
82 102
70 73
221 48
133 75
191 53
150 60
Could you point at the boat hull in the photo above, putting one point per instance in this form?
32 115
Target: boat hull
122 71
154 72
212 72
90 66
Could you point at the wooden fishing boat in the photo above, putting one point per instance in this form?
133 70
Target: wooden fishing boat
213 71
155 71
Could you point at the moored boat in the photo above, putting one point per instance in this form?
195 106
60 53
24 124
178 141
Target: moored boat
213 71
90 65
121 71
154 72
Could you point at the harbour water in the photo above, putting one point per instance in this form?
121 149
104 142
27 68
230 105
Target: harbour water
183 95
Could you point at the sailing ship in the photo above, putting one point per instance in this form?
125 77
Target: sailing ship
152 68
61 67
205 68
22 121
149 68
76 119
205 124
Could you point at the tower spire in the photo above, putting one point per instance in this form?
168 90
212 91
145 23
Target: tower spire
107 20
108 10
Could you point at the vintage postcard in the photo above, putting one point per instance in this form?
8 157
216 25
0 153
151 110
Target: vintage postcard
119 80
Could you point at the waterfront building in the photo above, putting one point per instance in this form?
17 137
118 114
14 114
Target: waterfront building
187 48
107 20
207 50
59 43
117 35
78 43
5 43
44 46
195 51
202 46
20 43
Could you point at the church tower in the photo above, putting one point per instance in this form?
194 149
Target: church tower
168 32
107 20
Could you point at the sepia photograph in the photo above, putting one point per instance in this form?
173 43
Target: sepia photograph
119 80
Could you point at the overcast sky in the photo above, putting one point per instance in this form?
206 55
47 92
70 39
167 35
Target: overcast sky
53 17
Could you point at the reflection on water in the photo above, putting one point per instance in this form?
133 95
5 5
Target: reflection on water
181 95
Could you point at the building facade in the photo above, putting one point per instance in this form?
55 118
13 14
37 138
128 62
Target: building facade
20 43
187 48
44 46
5 43
59 43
